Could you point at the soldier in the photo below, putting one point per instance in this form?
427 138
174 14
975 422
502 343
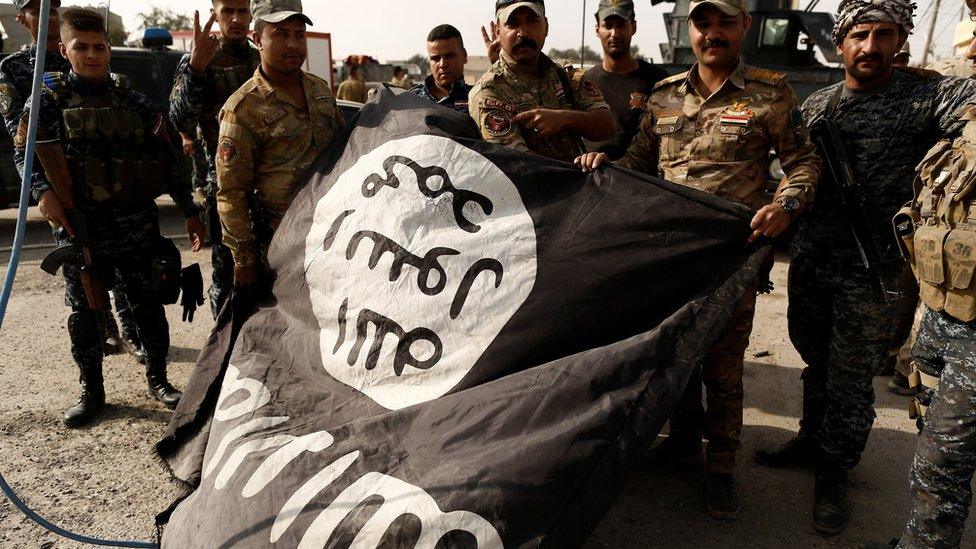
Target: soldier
447 57
213 70
526 101
944 216
711 129
626 83
352 88
401 79
16 78
101 146
270 132
839 321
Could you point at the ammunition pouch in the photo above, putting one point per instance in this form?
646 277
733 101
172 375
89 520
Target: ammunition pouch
166 270
942 247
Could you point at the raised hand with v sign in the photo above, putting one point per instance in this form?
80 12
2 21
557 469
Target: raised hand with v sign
204 44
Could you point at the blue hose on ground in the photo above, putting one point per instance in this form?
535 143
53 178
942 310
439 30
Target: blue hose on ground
8 282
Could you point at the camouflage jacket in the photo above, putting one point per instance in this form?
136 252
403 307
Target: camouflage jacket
196 99
503 92
267 143
352 89
51 129
720 143
886 132
16 78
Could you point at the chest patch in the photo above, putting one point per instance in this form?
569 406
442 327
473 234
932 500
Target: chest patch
274 117
737 114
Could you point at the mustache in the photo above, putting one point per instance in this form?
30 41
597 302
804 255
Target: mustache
526 43
715 44
869 56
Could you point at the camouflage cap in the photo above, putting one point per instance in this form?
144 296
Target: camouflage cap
505 8
21 4
276 11
728 7
618 8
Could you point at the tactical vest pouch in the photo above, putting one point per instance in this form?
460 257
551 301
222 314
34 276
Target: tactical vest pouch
960 259
904 224
106 123
90 118
122 127
929 265
74 124
124 170
166 267
135 125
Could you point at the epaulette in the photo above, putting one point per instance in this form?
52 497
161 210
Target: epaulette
924 74
121 81
773 78
680 77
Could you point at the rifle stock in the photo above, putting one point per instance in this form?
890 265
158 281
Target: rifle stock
854 204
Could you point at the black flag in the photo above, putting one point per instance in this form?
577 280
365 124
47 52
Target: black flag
468 344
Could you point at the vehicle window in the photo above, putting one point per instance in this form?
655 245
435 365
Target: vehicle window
144 76
774 32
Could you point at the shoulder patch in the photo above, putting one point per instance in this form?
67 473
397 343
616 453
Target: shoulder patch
55 81
773 78
121 81
227 151
497 123
680 77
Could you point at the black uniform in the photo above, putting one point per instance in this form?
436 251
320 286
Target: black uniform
627 95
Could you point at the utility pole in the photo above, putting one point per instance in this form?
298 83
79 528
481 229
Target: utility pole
928 39
583 36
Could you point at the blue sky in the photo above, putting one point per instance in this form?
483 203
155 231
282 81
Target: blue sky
396 29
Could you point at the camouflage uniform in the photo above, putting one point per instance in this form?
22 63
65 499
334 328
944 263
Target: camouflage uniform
839 322
505 91
719 143
352 89
267 143
16 79
196 101
456 99
116 174
943 254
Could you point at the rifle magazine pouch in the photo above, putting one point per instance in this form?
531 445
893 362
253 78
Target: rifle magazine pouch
96 179
90 118
929 265
960 261
74 124
106 123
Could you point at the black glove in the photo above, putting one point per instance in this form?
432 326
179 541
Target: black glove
191 283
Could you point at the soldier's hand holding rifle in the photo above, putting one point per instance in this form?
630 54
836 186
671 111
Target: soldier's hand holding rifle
52 210
204 44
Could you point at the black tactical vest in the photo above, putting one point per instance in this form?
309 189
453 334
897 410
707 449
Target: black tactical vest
113 158
225 75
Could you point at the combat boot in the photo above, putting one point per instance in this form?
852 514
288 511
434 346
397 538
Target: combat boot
159 387
133 346
831 509
676 451
92 398
800 449
721 497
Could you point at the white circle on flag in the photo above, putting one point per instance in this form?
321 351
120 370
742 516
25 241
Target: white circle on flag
417 257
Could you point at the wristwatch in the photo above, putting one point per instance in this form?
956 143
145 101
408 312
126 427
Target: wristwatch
790 204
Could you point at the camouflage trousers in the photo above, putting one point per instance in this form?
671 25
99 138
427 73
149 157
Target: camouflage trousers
721 372
222 280
945 458
843 330
122 244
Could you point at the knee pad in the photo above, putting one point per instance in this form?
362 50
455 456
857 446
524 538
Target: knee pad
83 328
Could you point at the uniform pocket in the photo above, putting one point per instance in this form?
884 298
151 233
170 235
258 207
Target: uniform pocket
667 129
960 259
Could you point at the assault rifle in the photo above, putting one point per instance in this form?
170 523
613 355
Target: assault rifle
79 250
855 204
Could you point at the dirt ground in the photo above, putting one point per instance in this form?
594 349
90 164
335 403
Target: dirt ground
105 481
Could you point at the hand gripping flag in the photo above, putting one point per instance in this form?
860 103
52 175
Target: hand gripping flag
468 345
